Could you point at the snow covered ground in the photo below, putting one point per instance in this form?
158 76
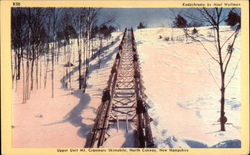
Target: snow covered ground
67 119
183 96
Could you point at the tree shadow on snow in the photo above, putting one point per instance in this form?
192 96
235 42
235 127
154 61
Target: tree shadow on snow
130 140
224 144
75 118
75 69
104 61
195 144
75 115
236 143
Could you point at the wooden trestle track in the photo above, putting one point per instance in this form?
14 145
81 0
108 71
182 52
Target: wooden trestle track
123 100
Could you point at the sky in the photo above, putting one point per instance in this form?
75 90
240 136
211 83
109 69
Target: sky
131 17
152 17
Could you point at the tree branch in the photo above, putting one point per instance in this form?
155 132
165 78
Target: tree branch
191 16
209 70
233 74
203 47
215 40
228 38
207 18
213 77
208 14
231 52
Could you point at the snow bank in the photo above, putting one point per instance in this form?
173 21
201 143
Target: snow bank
228 144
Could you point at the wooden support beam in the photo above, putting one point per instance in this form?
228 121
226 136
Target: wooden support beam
117 122
126 123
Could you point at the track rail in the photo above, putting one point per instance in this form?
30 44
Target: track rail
123 99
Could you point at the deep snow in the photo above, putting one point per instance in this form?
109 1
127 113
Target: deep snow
67 119
183 96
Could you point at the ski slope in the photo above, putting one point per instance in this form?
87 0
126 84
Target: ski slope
183 94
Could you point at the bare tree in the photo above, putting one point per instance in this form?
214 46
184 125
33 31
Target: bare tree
53 15
91 20
46 57
20 40
91 17
35 18
214 17
69 33
34 34
78 23
18 36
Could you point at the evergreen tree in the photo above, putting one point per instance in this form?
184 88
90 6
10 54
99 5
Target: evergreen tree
233 19
141 26
180 22
194 31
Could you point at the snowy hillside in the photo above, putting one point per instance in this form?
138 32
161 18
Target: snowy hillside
67 119
183 96
182 93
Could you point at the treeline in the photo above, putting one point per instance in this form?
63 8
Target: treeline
48 34
180 21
